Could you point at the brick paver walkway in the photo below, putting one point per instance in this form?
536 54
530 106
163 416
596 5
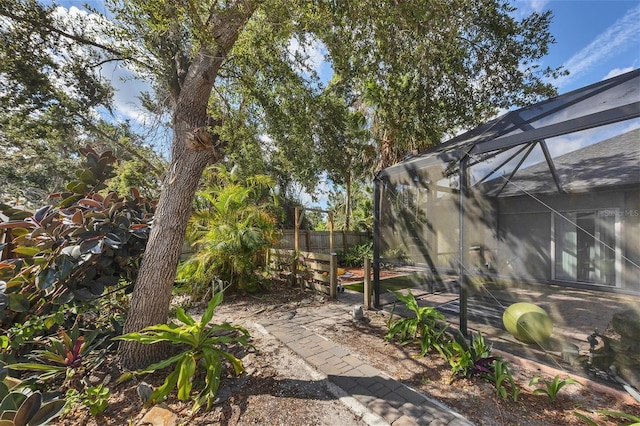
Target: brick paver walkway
381 394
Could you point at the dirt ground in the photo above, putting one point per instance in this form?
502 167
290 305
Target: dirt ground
280 389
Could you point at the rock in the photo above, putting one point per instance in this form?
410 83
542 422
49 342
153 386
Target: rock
628 367
627 324
159 415
144 391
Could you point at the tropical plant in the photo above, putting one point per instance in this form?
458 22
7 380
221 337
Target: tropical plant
201 347
425 328
503 380
469 359
230 229
354 256
69 355
72 252
551 388
20 406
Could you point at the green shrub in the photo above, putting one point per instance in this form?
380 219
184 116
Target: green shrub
202 348
230 230
71 252
424 328
354 256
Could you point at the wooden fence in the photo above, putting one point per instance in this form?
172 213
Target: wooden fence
318 241
318 271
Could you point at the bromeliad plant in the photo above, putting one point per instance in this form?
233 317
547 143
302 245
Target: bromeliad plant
203 348
70 354
425 328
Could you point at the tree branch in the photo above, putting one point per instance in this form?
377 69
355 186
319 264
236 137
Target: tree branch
74 37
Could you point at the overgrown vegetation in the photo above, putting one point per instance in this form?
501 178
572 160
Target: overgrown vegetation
63 280
232 227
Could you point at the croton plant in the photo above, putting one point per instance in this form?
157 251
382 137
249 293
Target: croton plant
89 240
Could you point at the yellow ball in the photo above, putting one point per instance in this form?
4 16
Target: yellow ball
527 322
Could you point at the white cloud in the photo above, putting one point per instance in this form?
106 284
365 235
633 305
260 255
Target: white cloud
526 7
617 71
625 31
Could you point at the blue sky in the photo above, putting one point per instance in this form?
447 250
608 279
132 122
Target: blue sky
595 39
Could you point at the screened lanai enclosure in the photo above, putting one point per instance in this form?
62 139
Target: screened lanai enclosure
545 198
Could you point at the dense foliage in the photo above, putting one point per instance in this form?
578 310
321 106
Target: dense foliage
89 241
231 228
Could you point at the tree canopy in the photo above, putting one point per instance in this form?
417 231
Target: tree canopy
237 82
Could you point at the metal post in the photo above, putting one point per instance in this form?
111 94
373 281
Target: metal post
376 242
463 250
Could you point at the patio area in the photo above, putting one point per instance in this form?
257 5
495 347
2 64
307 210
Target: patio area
576 313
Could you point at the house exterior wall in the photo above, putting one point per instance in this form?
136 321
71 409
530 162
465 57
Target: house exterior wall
531 231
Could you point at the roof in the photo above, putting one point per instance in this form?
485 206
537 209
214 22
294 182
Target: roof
609 101
613 162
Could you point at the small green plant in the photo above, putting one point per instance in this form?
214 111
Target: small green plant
551 388
424 328
96 399
202 345
503 381
467 359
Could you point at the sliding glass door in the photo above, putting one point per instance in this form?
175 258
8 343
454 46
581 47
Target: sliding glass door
585 247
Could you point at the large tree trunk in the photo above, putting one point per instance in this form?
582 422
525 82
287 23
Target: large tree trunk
152 294
193 148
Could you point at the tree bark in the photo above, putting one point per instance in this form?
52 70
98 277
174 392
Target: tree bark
151 297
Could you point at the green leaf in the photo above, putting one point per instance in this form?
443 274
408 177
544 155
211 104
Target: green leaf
45 279
48 412
70 200
213 304
28 409
87 177
162 364
161 393
27 251
183 317
18 302
187 368
12 401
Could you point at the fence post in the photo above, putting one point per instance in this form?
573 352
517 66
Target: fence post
333 280
294 268
367 283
